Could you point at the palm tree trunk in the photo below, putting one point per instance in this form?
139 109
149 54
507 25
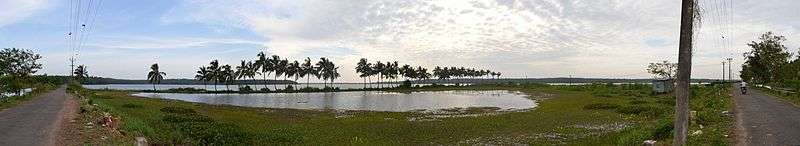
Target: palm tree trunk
308 80
275 85
265 80
154 87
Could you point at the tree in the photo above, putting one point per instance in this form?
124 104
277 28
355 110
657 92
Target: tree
155 76
227 76
307 70
277 67
663 70
763 62
214 72
364 69
17 67
81 73
202 75
266 66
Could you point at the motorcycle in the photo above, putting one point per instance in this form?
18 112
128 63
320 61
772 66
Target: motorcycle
744 90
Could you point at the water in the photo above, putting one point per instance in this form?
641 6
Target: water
9 94
342 86
363 100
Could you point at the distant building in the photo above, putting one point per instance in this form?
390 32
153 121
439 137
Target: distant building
662 85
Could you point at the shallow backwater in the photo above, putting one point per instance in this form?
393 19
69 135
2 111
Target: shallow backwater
360 100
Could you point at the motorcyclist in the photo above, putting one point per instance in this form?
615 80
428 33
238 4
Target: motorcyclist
743 86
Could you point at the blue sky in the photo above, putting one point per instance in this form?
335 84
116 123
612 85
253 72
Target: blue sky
533 38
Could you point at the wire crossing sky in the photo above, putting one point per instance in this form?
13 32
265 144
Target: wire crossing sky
521 38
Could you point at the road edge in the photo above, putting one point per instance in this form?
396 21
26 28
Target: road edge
740 134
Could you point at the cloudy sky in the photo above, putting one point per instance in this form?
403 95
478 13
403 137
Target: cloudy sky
533 38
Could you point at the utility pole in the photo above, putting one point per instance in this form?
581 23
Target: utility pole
682 92
723 71
71 66
730 72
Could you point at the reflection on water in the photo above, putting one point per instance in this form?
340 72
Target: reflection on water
234 87
369 100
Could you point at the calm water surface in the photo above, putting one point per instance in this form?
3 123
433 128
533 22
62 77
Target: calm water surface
361 100
232 87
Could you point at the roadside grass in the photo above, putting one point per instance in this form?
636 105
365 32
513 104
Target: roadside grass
565 115
793 98
7 102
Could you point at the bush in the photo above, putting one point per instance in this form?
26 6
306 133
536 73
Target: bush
177 110
245 89
289 88
131 105
648 111
187 89
600 106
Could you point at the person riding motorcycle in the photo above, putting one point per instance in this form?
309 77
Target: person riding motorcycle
743 86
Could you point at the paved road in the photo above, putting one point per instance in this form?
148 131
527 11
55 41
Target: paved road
765 120
34 122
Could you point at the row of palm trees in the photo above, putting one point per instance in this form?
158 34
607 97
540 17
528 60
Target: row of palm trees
461 72
392 70
265 66
389 70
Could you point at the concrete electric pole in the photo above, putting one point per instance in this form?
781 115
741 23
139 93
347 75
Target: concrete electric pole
682 92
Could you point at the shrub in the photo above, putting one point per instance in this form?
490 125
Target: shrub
177 110
648 111
599 106
245 89
289 88
131 105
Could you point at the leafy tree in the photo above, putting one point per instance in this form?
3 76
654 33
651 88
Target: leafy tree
17 67
663 70
155 76
765 59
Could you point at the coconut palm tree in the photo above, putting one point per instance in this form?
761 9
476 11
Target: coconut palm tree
307 69
323 70
80 73
214 73
407 71
422 73
266 65
202 75
294 70
227 76
365 69
241 71
277 68
379 68
155 76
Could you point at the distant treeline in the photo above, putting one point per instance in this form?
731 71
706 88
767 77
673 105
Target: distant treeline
548 80
100 80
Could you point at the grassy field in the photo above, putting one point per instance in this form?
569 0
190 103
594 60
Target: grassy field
577 115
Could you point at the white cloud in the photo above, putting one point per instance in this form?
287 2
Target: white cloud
536 37
12 11
148 43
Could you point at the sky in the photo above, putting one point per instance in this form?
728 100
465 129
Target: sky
520 38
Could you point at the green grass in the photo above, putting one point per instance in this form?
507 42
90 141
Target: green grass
793 98
8 102
581 115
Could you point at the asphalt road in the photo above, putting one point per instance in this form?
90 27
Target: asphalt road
34 122
765 120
